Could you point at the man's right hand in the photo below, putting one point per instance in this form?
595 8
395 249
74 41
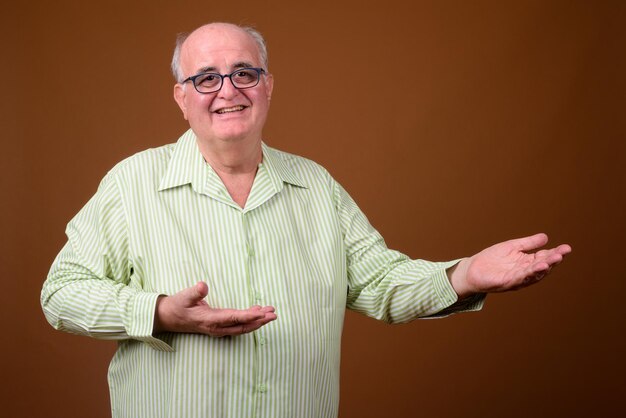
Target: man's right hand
187 311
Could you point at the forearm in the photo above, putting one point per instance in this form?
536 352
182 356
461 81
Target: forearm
79 298
403 291
77 302
386 284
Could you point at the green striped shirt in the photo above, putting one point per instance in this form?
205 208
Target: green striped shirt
162 219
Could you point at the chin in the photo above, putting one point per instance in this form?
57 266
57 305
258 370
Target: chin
233 134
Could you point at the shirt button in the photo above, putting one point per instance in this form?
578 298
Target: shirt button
262 341
258 295
262 388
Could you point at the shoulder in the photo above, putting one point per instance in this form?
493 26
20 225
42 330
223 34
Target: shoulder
295 161
145 165
309 171
144 161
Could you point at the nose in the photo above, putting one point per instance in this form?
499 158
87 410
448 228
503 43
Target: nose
228 89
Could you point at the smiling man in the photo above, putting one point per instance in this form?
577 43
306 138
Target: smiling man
223 267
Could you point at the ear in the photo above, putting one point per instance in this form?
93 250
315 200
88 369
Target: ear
269 85
179 96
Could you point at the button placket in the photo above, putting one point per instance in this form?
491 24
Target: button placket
257 299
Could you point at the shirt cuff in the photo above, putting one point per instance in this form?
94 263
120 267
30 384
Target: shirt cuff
142 323
442 284
449 299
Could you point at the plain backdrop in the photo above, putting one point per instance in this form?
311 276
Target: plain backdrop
453 124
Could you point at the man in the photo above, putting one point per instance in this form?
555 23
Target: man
219 235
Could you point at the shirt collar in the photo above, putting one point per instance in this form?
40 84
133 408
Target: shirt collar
279 170
187 166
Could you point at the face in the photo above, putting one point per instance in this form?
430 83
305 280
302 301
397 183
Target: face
228 114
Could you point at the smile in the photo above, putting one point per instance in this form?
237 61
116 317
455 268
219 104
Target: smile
223 110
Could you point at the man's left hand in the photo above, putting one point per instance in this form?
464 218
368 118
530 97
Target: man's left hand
509 265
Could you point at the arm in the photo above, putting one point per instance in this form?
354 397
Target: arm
90 288
389 286
386 284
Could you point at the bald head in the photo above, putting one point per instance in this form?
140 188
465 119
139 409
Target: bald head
217 27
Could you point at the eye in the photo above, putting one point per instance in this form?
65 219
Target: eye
245 76
209 79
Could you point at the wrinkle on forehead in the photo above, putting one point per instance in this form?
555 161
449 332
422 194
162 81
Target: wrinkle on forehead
214 45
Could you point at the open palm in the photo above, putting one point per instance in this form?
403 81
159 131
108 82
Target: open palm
508 265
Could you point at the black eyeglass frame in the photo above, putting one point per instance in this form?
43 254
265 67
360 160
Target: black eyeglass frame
193 78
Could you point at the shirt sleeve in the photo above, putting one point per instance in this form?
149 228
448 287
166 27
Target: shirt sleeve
386 284
89 289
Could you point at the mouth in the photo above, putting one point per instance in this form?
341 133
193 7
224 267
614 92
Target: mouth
231 109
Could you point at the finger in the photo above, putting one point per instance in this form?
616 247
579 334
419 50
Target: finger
548 260
538 267
529 280
564 249
262 308
541 254
194 294
201 289
542 268
240 329
227 317
561 250
531 242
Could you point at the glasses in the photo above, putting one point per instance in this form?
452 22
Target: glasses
243 78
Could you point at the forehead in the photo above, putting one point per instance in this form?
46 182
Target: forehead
219 47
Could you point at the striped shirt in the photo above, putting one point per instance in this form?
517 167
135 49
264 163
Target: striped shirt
162 219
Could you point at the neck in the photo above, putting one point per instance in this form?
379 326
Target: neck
235 162
232 157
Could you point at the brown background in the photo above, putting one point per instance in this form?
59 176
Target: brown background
454 124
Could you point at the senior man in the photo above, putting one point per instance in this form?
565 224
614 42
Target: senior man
219 235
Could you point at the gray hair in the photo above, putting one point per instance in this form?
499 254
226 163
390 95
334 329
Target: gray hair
254 34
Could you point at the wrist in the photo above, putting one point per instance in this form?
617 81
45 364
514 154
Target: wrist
159 309
457 275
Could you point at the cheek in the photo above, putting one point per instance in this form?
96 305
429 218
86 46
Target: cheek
199 103
261 100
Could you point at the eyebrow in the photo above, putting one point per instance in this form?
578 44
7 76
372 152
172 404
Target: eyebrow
210 69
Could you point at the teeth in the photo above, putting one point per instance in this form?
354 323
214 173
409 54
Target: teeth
230 109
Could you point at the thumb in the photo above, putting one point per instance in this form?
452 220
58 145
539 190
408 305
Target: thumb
196 292
531 242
